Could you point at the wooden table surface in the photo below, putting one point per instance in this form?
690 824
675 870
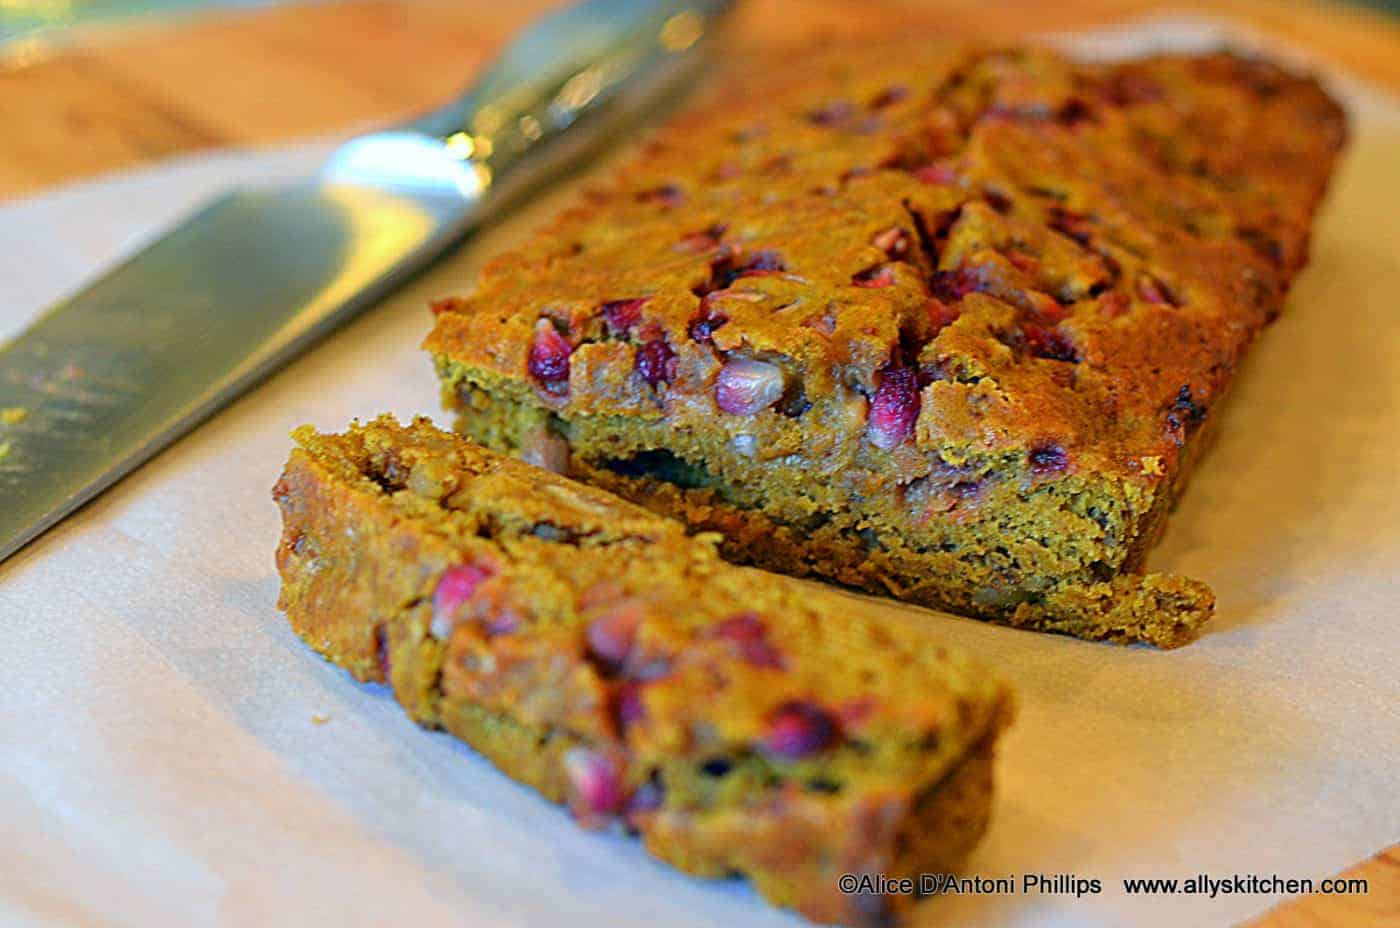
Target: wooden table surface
117 98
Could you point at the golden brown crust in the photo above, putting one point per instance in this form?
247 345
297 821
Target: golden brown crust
990 293
738 721
1041 179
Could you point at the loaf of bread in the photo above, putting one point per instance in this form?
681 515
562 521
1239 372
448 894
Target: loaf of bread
738 721
949 324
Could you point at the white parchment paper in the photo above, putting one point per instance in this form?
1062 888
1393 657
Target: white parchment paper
170 754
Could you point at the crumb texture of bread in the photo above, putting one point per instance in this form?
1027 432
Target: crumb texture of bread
951 321
739 722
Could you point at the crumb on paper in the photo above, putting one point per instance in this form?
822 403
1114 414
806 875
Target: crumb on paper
13 415
320 719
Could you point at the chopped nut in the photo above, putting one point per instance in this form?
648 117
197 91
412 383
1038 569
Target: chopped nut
746 386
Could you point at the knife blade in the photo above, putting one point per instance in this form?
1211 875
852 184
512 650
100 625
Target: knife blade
107 378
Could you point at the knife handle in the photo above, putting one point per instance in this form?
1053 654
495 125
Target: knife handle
591 57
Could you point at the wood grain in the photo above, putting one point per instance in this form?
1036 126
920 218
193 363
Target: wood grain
137 95
1378 907
123 98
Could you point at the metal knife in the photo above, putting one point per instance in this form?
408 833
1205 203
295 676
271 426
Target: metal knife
106 379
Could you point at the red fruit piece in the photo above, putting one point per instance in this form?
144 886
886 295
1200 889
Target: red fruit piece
1048 343
656 362
621 315
1047 458
745 386
874 278
894 409
596 782
750 635
935 174
951 286
549 354
702 327
610 636
726 267
455 587
798 729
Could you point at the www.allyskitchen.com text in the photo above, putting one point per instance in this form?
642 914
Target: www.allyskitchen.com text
1072 884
